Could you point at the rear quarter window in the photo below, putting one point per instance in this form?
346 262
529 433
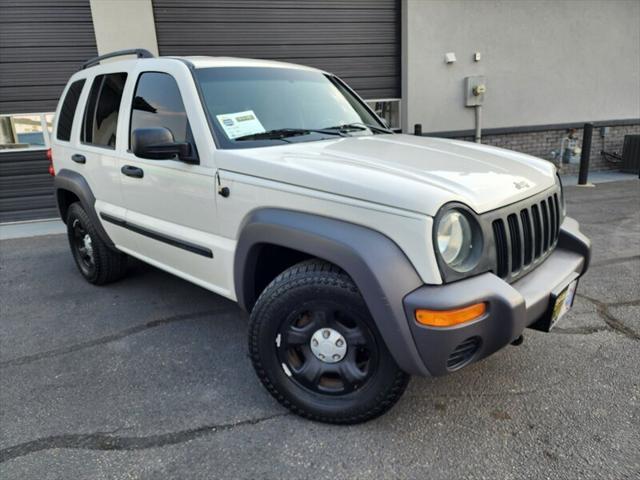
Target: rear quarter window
101 114
68 110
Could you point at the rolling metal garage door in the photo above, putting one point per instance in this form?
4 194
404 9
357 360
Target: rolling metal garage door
359 40
42 42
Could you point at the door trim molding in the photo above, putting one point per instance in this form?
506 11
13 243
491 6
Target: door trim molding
183 244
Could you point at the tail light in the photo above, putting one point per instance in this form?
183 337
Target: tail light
52 172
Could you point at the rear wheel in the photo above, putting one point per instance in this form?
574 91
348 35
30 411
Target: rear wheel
315 347
97 263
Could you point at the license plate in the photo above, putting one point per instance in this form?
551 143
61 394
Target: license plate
560 302
563 303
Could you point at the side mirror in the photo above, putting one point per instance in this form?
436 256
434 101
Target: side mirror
157 143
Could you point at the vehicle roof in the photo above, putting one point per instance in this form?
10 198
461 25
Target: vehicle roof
207 62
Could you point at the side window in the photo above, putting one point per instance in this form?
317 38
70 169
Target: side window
68 110
101 115
157 103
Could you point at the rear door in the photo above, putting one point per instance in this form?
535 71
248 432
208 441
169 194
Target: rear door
85 139
171 205
98 146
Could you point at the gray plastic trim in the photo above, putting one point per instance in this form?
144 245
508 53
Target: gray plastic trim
571 238
376 264
504 320
160 237
511 307
77 184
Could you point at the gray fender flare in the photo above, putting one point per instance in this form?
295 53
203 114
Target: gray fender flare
379 268
574 240
77 184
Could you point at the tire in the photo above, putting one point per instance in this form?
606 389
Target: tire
316 349
97 263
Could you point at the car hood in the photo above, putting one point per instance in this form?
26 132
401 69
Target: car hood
419 174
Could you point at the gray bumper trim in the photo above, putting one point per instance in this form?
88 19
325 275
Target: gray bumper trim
511 307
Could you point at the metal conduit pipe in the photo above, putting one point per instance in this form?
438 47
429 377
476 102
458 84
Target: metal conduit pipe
478 136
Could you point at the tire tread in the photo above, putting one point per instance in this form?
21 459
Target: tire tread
316 272
110 265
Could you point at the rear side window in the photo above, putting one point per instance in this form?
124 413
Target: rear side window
101 115
68 110
157 103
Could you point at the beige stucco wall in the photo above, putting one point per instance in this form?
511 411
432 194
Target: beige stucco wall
124 24
546 61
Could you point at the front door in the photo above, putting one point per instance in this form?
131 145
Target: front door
171 205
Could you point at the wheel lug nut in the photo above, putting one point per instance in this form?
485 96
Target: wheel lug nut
322 355
326 334
336 356
314 342
339 342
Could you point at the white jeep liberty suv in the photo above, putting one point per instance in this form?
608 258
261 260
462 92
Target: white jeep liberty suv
362 256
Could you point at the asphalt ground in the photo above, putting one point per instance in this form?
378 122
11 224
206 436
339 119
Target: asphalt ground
149 378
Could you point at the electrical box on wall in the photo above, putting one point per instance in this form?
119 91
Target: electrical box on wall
475 88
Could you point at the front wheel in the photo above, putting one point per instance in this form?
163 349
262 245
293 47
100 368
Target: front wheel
316 349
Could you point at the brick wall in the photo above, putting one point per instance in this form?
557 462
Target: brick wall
542 143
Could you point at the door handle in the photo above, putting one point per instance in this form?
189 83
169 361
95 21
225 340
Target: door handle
79 158
130 171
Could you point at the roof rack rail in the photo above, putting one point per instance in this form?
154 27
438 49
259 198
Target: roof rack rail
138 52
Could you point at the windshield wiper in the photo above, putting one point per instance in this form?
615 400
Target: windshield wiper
282 133
360 126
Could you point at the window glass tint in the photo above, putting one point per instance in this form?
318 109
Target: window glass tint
276 98
101 114
68 110
157 103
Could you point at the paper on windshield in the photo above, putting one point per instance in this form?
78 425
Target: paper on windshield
240 124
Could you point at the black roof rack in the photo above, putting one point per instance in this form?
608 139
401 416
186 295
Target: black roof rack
138 52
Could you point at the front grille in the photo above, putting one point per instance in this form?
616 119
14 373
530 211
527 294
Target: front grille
525 236
502 249
516 242
463 353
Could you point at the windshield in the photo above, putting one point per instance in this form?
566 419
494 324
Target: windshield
258 106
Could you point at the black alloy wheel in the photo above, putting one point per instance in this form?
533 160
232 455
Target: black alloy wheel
327 348
98 262
82 248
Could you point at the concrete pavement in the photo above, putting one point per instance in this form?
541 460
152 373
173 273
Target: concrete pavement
149 378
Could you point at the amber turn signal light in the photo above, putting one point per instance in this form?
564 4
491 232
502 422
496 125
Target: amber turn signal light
449 318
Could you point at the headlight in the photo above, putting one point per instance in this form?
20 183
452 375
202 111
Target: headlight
455 239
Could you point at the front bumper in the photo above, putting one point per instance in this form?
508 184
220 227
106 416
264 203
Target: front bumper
511 307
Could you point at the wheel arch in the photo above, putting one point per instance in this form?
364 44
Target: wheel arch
64 199
70 187
376 264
